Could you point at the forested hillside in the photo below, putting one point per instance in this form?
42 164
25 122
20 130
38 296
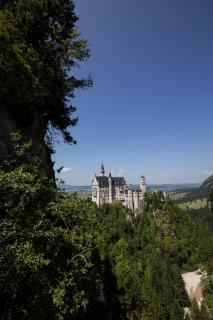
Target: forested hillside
202 192
65 257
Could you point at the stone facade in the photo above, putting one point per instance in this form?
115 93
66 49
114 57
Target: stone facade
106 189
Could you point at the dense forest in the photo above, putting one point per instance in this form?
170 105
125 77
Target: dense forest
62 257
65 257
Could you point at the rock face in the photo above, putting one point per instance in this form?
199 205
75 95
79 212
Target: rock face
193 285
34 131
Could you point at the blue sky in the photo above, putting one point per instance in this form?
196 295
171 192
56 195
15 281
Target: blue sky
150 109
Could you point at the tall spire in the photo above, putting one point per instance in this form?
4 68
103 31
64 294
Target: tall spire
102 172
143 184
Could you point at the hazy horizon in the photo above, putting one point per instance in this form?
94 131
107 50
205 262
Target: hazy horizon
149 184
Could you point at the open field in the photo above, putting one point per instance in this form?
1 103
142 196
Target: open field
82 194
197 204
177 195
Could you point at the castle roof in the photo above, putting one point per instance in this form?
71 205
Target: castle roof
116 181
103 181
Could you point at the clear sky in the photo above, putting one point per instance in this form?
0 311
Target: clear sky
150 111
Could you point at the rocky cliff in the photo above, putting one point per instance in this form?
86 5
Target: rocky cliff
34 130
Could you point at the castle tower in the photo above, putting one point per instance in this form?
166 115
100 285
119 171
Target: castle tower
102 172
110 187
143 184
130 203
136 200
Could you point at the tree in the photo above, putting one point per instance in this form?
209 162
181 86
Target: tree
39 46
47 263
210 200
205 313
177 311
195 312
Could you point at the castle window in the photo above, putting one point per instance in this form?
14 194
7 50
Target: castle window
95 193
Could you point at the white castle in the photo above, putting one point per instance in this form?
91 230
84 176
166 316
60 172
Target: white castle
106 189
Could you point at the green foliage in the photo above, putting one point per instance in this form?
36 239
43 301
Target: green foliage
207 306
39 45
195 312
148 253
146 257
176 311
62 256
46 252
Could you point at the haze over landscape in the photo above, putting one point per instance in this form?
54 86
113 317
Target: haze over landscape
150 109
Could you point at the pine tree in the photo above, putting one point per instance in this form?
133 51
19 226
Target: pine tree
39 47
176 311
195 312
204 313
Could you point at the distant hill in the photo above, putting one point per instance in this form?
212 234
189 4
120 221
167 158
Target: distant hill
208 183
201 192
176 187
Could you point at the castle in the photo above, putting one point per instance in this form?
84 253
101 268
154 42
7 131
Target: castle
106 189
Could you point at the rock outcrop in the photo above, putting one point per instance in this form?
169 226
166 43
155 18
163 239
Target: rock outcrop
34 130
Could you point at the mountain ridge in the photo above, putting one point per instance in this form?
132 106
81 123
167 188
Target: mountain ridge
203 191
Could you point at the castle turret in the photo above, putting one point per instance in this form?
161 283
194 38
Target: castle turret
110 187
143 184
130 203
136 200
102 172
